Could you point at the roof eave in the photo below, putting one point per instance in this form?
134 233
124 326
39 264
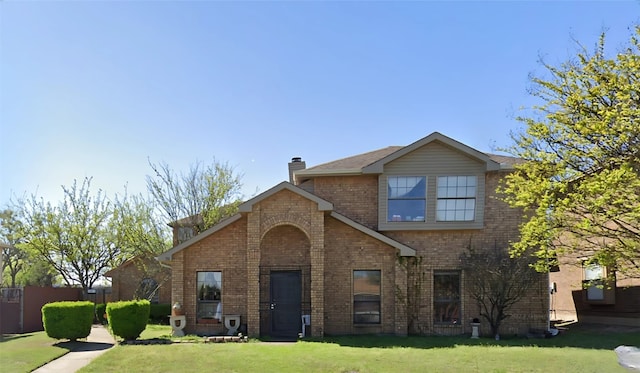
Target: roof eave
166 256
402 248
309 173
322 204
507 167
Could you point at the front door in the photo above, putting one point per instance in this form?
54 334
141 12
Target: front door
285 304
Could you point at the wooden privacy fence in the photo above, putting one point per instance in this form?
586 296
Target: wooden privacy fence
20 308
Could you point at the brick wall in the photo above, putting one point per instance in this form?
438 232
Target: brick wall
126 279
352 196
287 229
226 252
569 302
440 251
348 249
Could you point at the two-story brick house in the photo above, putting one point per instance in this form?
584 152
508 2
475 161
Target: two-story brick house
365 244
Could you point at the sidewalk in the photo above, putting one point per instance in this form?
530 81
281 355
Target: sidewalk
98 342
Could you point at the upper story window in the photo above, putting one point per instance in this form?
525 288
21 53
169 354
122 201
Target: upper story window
456 198
407 198
184 234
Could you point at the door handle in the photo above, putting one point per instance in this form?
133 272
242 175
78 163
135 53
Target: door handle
273 306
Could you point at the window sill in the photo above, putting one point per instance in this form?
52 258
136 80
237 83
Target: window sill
426 226
367 325
207 321
447 325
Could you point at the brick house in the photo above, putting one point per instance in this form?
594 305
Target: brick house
140 278
365 244
575 297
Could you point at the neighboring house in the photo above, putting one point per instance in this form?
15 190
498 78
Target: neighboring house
366 244
579 292
140 278
184 229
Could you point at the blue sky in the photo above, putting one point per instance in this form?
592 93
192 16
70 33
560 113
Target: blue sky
95 89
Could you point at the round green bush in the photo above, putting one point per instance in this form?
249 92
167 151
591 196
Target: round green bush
127 319
159 314
67 320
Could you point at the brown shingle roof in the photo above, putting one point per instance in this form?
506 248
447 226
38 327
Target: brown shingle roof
360 161
357 161
505 159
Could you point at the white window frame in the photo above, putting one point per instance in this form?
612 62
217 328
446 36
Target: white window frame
456 199
406 184
594 275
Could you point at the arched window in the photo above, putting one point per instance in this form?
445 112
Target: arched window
149 290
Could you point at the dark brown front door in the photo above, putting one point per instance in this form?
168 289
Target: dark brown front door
285 304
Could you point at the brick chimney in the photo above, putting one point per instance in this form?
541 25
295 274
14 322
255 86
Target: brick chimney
296 164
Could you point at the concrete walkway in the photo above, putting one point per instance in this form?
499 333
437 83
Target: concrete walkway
98 342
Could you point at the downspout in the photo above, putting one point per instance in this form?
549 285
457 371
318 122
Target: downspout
549 302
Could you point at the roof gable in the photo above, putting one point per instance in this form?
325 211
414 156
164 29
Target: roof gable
373 162
243 209
127 263
322 204
199 237
378 166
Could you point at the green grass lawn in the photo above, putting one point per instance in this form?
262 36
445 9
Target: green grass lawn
578 350
575 351
332 357
26 352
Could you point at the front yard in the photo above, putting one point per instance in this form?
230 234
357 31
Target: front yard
578 350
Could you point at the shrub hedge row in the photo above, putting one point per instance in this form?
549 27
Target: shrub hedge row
127 319
67 320
72 320
159 313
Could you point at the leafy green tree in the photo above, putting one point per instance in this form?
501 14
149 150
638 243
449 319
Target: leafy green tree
38 272
580 183
138 228
199 198
11 236
75 237
141 233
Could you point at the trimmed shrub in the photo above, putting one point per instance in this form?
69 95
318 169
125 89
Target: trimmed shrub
101 310
127 319
159 313
67 320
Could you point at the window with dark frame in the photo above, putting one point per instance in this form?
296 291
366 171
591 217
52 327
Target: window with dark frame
407 198
366 296
456 198
209 296
446 297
